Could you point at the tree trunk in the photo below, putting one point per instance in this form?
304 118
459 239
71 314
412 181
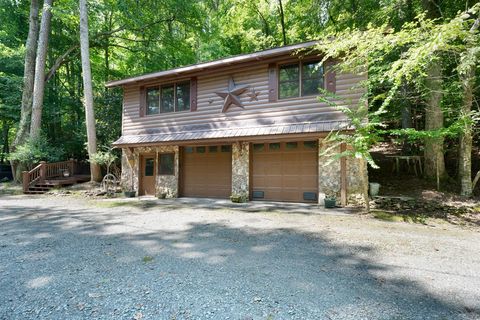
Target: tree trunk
434 158
39 85
467 78
282 21
28 76
87 90
5 148
465 146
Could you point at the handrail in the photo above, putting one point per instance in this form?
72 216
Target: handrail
47 170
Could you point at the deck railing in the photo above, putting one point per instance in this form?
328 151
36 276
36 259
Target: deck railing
46 171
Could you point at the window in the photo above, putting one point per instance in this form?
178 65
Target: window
153 102
167 99
310 144
182 102
174 97
167 164
188 149
149 166
291 145
212 149
258 147
200 149
226 148
274 146
300 79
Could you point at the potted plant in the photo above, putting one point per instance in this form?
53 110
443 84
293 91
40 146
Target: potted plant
330 201
235 198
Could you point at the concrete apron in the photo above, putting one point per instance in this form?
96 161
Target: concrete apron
251 206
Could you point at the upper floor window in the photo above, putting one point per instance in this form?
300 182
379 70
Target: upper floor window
168 98
300 79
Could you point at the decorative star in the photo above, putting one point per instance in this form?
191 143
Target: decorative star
253 95
231 95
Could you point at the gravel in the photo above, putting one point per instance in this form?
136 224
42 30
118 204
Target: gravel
71 258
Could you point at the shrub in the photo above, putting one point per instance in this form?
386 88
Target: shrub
35 150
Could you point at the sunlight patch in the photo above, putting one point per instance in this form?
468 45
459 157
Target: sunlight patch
39 282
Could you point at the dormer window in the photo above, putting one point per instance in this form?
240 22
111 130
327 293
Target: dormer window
300 79
174 97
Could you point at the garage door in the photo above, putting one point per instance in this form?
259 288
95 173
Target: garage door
207 171
285 171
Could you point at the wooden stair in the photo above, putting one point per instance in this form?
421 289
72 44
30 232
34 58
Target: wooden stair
47 176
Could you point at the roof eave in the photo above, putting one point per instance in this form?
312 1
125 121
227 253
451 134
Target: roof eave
212 64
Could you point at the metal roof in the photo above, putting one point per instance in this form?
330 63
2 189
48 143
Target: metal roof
224 133
213 64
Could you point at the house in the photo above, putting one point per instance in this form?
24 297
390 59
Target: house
251 126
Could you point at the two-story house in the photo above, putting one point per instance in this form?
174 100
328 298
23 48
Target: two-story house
250 125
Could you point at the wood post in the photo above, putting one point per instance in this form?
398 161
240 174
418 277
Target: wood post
343 176
72 166
25 180
43 171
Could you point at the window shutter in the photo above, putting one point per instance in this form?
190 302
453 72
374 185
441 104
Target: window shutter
272 83
193 94
143 101
330 76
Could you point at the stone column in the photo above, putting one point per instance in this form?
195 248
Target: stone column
129 170
355 180
240 170
168 184
329 176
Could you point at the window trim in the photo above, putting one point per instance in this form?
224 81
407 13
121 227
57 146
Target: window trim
300 77
159 88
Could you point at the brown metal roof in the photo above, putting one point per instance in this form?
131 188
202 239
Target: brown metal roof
213 64
237 132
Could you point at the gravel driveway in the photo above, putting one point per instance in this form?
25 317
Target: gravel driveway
71 258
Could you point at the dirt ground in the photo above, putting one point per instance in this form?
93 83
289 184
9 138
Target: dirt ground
74 257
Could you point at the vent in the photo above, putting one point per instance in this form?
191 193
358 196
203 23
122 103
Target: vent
310 196
258 195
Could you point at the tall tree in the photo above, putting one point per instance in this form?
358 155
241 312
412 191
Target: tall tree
39 84
467 79
434 120
282 22
88 91
28 75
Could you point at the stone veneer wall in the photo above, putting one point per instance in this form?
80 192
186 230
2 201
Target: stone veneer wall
329 177
164 183
240 169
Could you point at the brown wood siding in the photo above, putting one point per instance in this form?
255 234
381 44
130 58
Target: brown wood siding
206 174
209 105
272 82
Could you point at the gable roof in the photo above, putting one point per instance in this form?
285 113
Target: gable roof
214 64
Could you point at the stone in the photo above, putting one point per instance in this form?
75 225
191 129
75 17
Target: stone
240 171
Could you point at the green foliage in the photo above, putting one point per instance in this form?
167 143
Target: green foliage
104 158
36 150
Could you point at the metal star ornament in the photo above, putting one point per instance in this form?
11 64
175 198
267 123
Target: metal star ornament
231 95
253 94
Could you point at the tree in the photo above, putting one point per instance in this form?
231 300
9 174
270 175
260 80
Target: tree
468 62
39 84
28 76
88 91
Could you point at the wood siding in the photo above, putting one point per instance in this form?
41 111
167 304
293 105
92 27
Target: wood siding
264 111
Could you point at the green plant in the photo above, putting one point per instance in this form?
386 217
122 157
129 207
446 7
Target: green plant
238 198
35 150
104 158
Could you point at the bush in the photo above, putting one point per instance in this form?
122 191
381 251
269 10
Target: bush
35 150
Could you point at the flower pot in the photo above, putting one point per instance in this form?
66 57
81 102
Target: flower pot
374 189
330 203
129 194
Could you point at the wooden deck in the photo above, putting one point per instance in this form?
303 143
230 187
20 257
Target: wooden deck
46 176
42 187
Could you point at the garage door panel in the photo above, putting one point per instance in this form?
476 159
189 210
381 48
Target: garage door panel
207 174
285 174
